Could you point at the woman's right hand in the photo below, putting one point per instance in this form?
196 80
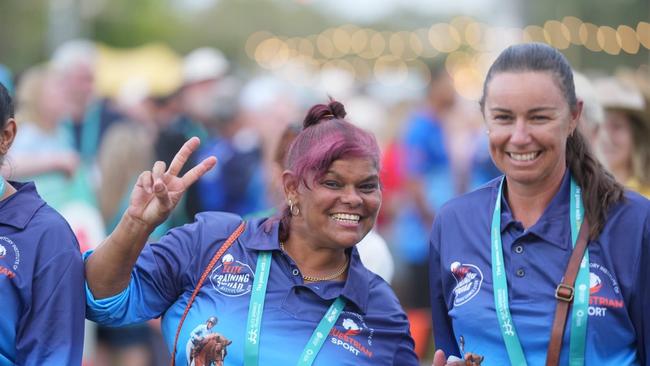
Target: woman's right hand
157 192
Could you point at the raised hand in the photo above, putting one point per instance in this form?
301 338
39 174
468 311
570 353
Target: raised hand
158 191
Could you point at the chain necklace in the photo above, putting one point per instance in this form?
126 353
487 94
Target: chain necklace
339 271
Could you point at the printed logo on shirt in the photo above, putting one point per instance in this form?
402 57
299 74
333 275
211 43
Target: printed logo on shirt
352 334
232 277
9 257
468 282
604 292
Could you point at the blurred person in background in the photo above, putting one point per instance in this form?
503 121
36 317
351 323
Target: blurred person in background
593 114
126 151
191 107
238 183
88 116
623 138
306 256
41 272
42 152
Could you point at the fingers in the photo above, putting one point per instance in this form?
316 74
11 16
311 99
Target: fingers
197 172
157 174
159 186
145 181
439 358
183 155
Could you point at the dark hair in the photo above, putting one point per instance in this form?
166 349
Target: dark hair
6 106
325 138
600 189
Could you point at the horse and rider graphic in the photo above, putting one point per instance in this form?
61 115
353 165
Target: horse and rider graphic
206 347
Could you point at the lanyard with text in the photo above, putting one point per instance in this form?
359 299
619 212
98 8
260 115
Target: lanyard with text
580 302
253 331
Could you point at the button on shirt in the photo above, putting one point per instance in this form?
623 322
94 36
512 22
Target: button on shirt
41 284
372 329
535 260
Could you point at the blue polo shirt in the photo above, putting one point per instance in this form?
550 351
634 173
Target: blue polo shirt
42 298
618 329
372 329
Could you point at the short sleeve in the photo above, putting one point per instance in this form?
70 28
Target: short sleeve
51 330
442 329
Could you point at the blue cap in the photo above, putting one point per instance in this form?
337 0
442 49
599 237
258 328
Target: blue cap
6 79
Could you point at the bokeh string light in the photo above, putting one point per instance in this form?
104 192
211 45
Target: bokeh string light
467 45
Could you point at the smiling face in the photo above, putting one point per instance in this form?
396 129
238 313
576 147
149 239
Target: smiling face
338 209
529 121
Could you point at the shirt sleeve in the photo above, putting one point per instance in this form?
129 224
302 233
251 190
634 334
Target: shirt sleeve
157 280
443 332
641 302
405 354
51 331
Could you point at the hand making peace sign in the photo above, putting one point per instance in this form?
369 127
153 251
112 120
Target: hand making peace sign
157 192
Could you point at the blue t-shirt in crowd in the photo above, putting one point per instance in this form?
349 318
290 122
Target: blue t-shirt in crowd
41 282
618 329
372 329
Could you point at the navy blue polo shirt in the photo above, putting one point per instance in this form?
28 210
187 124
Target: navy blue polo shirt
372 329
618 329
42 298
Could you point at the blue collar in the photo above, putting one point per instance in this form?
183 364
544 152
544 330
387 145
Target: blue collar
553 225
18 209
262 234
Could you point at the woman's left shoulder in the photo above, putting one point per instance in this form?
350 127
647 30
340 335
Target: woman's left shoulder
633 208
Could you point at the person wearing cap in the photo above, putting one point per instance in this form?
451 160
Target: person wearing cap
41 272
289 289
624 137
499 256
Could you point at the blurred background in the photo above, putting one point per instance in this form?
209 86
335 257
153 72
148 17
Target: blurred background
104 88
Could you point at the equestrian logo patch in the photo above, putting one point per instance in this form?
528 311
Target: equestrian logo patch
468 282
232 277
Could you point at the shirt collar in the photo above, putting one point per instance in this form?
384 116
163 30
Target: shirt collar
19 208
357 286
553 226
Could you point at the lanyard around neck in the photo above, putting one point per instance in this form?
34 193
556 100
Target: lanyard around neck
256 309
501 302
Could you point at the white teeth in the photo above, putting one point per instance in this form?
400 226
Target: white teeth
523 157
346 217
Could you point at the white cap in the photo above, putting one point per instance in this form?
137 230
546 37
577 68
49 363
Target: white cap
202 64
73 52
617 94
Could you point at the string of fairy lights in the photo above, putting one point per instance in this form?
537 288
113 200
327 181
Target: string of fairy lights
469 47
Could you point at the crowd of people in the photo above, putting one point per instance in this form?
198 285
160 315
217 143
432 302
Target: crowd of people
231 217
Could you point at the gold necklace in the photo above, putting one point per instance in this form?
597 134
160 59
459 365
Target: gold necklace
339 271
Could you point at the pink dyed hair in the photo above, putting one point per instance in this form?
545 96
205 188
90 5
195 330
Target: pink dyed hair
325 138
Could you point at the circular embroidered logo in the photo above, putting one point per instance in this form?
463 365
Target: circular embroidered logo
468 282
232 277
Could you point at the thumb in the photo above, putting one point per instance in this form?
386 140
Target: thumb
439 358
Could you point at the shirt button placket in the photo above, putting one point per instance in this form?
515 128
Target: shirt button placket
295 272
520 272
519 249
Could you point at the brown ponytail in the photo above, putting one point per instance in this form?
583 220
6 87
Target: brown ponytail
600 189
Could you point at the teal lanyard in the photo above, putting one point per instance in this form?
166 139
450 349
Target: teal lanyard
581 300
3 187
90 128
253 326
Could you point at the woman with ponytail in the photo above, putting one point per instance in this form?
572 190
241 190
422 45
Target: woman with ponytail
284 290
503 278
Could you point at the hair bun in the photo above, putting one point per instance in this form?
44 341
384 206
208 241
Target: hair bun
320 112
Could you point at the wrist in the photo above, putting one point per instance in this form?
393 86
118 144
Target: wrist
136 224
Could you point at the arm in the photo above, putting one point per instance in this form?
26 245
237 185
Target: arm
405 355
641 303
156 193
50 331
